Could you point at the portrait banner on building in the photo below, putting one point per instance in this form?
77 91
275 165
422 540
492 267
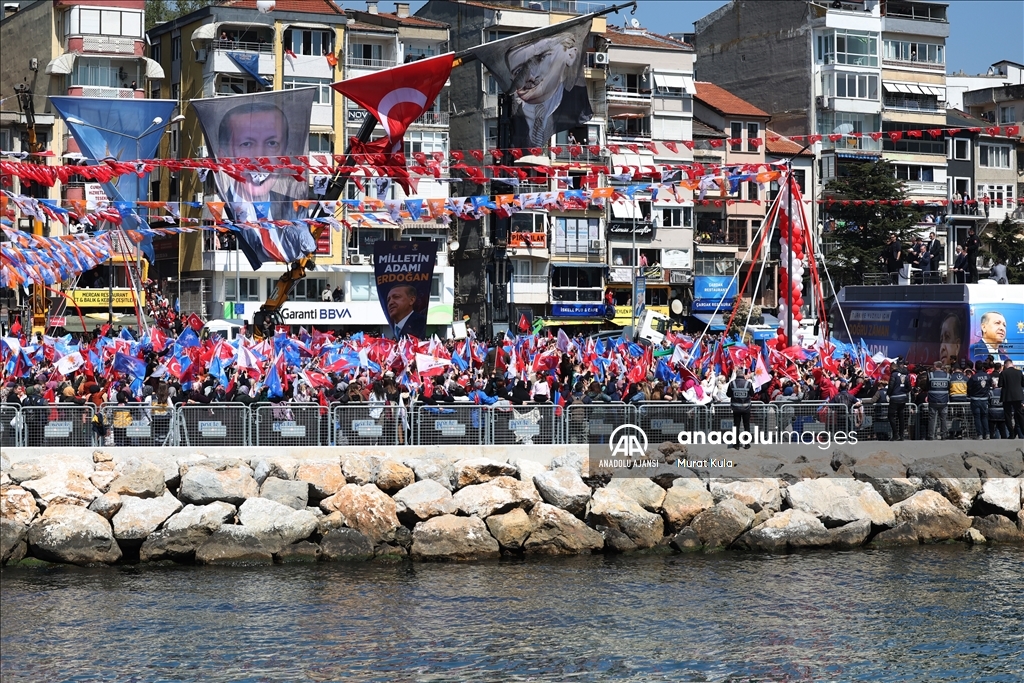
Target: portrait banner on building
270 125
543 71
403 272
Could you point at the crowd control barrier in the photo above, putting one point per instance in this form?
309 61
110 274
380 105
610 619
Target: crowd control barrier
12 423
363 424
213 424
288 424
58 426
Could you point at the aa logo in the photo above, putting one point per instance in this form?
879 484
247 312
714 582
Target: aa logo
628 441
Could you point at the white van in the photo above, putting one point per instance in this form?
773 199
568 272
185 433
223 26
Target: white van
225 329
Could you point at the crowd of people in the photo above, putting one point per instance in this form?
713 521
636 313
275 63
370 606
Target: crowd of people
120 366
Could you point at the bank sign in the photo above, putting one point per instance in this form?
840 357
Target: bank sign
355 313
708 290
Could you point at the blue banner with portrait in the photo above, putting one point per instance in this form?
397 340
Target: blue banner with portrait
403 272
997 322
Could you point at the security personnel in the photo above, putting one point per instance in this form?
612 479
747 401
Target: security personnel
996 416
979 386
739 393
938 401
958 383
899 394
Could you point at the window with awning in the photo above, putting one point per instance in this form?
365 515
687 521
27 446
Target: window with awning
673 84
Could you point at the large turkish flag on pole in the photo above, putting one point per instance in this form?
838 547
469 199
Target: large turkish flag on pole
398 96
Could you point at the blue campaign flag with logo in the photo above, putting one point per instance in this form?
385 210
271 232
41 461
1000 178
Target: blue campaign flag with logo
124 130
249 62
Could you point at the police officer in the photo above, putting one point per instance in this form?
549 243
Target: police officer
958 383
739 393
996 416
979 386
899 394
938 401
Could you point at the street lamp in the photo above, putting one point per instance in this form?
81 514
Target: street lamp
157 122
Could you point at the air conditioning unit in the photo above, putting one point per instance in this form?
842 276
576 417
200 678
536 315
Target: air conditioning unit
356 260
600 58
823 103
596 245
201 55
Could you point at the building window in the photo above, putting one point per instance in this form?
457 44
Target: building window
714 264
736 134
235 85
906 51
856 48
362 287
622 257
753 131
492 134
155 52
576 284
914 173
323 87
577 235
908 144
366 55
307 289
248 287
677 218
1006 115
175 91
321 143
414 53
958 149
102 72
851 86
427 142
995 156
999 196
737 234
307 42
753 190
176 48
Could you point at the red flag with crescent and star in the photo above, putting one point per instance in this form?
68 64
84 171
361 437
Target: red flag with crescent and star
398 96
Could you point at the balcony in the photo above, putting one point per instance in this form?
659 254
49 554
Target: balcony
924 188
913 64
432 118
530 289
369 64
909 104
106 45
221 63
863 144
237 46
107 93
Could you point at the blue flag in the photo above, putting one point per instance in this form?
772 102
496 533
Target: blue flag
130 366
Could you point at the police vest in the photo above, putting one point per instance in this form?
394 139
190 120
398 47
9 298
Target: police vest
740 395
899 392
995 405
938 387
958 385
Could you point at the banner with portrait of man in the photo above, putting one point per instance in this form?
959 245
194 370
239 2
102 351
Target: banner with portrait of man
244 128
543 71
403 272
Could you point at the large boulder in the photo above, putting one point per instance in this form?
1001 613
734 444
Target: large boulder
393 476
998 529
209 481
644 491
479 470
73 534
527 469
949 475
366 509
62 487
1002 494
558 532
205 517
343 544
564 488
13 541
138 478
788 529
294 494
510 529
177 545
496 496
234 545
839 501
903 534
611 508
719 526
932 517
106 505
993 465
852 535
303 551
439 469
17 504
887 473
361 469
687 498
324 478
276 524
139 517
453 538
280 468
422 500
758 494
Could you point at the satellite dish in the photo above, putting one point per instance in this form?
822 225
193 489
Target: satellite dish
843 129
454 245
635 23
676 306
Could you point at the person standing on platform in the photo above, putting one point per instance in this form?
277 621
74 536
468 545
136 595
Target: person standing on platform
899 394
938 401
979 387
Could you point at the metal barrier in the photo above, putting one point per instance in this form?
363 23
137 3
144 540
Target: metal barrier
878 429
593 422
663 420
213 424
61 425
812 416
529 424
360 424
959 419
288 424
12 424
764 416
139 424
450 424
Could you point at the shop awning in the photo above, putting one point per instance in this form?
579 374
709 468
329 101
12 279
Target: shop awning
64 64
715 322
154 71
680 81
206 31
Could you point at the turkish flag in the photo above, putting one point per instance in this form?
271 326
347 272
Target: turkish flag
398 96
195 322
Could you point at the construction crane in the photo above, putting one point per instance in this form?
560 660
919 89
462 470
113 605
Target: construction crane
40 302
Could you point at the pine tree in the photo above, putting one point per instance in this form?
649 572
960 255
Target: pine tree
1005 241
855 245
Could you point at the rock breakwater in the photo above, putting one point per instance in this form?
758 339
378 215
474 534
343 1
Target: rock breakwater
204 509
